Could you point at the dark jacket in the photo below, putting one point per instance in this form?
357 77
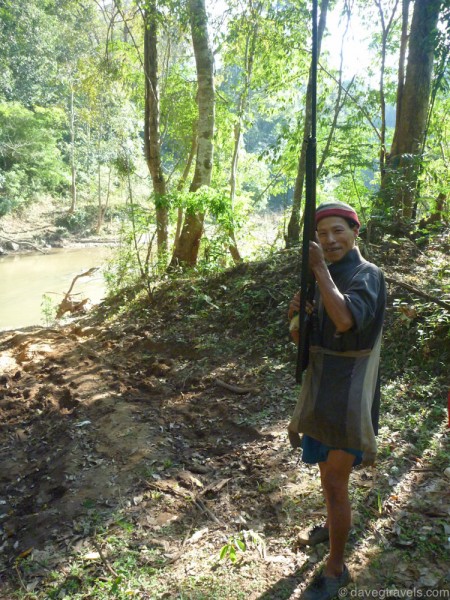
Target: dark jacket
340 394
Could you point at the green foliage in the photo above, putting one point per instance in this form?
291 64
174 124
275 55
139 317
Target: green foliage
28 63
48 309
215 202
81 221
85 69
240 543
40 43
134 263
30 157
15 189
234 545
178 112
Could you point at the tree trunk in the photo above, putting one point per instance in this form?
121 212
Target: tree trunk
250 47
73 187
402 62
293 232
102 208
402 169
386 27
232 242
183 179
204 61
186 252
151 125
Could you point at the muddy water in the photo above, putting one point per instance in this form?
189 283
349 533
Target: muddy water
24 279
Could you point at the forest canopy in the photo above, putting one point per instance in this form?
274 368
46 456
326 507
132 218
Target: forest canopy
187 119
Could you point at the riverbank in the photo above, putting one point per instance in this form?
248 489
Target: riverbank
40 228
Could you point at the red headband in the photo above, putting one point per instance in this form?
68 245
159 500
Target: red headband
337 210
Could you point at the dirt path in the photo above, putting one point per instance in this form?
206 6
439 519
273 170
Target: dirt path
91 419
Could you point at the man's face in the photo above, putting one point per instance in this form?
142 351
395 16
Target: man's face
336 237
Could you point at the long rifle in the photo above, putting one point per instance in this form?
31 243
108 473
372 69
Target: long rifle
307 282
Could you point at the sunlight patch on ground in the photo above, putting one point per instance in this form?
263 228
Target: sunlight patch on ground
7 363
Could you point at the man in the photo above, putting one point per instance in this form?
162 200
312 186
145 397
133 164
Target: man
337 411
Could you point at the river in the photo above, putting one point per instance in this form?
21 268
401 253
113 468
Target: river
26 278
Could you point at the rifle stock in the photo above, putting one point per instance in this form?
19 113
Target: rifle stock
307 283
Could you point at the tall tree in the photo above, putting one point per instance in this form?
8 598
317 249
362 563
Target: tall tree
186 251
72 151
400 179
386 25
251 32
151 124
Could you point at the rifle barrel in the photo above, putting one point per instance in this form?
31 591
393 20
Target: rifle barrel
307 286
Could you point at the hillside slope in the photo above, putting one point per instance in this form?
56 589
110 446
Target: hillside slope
140 444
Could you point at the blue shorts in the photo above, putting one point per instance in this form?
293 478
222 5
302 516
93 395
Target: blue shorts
315 452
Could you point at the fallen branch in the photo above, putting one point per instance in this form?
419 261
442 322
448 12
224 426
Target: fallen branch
424 470
172 559
69 305
103 559
235 388
48 227
22 583
170 487
204 509
418 292
22 244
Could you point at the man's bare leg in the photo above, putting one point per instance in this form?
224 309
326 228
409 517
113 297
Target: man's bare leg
335 473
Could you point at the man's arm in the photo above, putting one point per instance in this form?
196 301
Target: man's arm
333 300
